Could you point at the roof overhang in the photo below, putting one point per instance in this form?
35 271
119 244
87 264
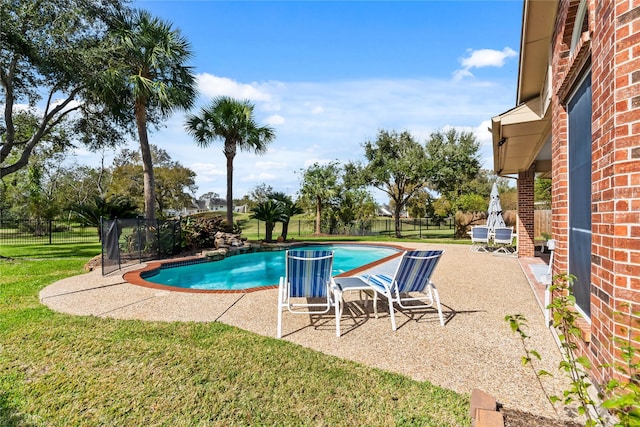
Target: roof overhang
519 136
538 20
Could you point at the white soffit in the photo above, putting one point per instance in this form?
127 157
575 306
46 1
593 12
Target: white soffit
518 136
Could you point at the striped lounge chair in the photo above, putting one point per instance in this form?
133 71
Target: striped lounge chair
307 276
412 276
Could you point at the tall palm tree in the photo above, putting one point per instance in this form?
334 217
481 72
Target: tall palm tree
289 209
231 121
149 79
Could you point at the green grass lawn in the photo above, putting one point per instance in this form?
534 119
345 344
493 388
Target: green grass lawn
61 370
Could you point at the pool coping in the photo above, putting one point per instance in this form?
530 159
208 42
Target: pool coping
137 277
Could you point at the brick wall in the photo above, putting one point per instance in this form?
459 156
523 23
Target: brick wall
603 139
620 193
559 148
526 215
614 48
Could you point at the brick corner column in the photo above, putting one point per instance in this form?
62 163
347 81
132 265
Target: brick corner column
526 245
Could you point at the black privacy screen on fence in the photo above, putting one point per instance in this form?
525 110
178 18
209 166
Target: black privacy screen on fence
129 241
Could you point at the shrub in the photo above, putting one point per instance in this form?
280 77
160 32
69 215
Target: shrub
199 233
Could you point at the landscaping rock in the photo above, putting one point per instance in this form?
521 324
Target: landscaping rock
228 240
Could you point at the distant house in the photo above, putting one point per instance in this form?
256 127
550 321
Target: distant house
207 203
577 121
383 210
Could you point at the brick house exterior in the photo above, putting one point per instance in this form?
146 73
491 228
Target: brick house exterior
577 120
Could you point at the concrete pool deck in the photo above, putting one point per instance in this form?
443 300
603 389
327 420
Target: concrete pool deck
475 348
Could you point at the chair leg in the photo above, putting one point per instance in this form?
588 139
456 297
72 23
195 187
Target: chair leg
339 306
393 318
436 299
279 332
280 304
375 304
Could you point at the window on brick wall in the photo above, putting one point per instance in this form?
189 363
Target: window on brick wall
579 126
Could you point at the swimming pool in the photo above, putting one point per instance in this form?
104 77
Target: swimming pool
259 269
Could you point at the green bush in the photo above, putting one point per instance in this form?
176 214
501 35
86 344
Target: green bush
199 233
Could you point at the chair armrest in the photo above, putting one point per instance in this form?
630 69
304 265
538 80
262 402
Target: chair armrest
380 282
334 287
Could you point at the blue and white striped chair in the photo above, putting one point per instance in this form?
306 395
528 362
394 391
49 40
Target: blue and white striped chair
307 275
413 275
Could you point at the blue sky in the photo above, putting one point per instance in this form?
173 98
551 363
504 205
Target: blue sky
328 75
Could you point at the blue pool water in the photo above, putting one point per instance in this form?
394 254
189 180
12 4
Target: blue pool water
260 268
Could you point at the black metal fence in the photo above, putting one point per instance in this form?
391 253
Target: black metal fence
41 231
409 227
126 241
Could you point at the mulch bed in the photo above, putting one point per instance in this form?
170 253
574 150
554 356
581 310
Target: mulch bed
515 418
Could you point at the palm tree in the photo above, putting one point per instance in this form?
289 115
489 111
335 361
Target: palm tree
108 208
289 209
231 121
270 212
148 77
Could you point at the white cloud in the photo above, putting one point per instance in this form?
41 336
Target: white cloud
482 58
483 133
276 119
208 170
260 177
461 74
329 121
269 165
487 58
212 86
351 112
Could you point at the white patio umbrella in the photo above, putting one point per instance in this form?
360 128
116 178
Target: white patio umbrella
495 211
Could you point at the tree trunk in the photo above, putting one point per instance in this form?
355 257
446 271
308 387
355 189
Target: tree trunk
396 216
268 233
318 214
147 162
285 230
230 153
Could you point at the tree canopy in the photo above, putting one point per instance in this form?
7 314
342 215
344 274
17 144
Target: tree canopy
175 184
397 165
320 183
147 79
51 57
453 162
